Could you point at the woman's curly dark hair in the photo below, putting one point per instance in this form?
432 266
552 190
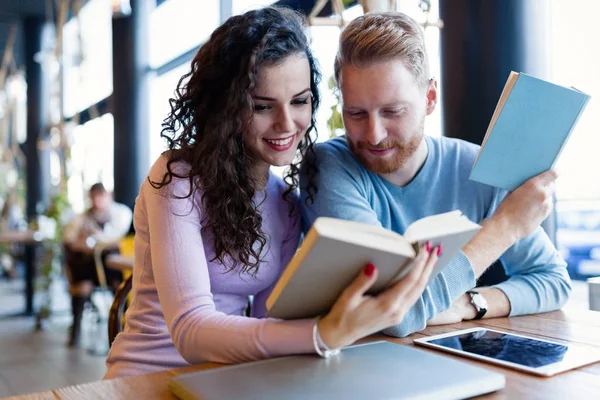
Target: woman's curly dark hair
206 124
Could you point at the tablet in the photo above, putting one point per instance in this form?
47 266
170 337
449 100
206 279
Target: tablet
536 356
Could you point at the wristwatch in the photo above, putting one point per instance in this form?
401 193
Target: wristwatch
479 302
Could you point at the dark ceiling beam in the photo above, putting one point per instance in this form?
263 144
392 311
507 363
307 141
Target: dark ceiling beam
22 8
306 6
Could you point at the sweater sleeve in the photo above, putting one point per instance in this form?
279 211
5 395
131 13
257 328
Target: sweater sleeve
198 331
343 193
538 278
288 249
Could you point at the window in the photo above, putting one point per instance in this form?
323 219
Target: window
241 6
575 61
162 89
92 157
177 26
88 57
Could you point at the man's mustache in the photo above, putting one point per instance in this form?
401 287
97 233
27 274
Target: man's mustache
380 146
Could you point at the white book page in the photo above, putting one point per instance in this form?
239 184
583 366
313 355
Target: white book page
437 226
362 234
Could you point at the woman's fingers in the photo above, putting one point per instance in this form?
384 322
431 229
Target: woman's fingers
355 315
417 289
361 284
411 279
397 299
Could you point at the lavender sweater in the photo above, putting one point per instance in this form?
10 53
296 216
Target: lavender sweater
187 310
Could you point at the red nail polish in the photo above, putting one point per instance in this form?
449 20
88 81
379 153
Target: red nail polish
369 269
428 247
439 249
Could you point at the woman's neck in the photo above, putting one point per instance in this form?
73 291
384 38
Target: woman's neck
260 174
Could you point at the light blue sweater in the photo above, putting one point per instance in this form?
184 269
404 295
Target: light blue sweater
538 277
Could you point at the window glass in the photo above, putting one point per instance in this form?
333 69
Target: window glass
162 89
241 6
87 59
575 61
92 155
177 26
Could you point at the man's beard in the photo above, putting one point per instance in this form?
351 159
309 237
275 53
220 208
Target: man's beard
388 164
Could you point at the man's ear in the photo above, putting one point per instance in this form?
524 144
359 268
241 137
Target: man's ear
431 95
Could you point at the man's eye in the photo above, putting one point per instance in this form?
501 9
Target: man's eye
356 114
394 112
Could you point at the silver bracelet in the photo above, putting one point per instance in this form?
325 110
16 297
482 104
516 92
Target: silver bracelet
324 352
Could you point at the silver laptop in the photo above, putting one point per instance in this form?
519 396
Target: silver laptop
379 370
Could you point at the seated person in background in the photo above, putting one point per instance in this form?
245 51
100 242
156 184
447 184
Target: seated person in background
386 172
11 219
105 221
214 226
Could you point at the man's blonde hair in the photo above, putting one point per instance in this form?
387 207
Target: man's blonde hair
380 37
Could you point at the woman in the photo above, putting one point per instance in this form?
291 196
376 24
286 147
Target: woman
214 226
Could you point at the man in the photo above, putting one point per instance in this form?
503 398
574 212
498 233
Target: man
386 172
104 222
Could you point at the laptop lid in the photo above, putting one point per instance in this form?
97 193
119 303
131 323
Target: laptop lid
378 370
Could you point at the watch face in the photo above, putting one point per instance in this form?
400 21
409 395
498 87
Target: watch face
479 300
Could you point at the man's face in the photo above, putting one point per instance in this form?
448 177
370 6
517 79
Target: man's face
100 200
384 111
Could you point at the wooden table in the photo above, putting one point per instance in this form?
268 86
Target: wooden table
581 327
118 262
19 237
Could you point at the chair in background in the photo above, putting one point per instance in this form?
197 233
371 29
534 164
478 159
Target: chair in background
115 317
105 295
124 262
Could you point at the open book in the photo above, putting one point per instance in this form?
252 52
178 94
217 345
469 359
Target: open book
335 251
530 126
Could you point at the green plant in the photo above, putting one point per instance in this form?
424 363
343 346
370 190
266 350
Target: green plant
335 122
52 260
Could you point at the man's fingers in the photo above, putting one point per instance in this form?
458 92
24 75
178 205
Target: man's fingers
550 188
546 177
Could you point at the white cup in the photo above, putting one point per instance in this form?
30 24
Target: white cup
594 293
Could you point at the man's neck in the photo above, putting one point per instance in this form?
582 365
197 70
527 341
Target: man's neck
406 174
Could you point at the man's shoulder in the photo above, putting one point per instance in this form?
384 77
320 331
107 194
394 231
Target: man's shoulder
336 154
455 162
337 147
454 146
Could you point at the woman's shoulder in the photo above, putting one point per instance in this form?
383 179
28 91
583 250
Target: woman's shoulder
276 184
175 172
164 164
278 187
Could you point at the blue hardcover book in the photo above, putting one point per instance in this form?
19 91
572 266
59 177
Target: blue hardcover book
530 127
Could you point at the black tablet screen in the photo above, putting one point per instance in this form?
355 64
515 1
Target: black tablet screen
515 349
